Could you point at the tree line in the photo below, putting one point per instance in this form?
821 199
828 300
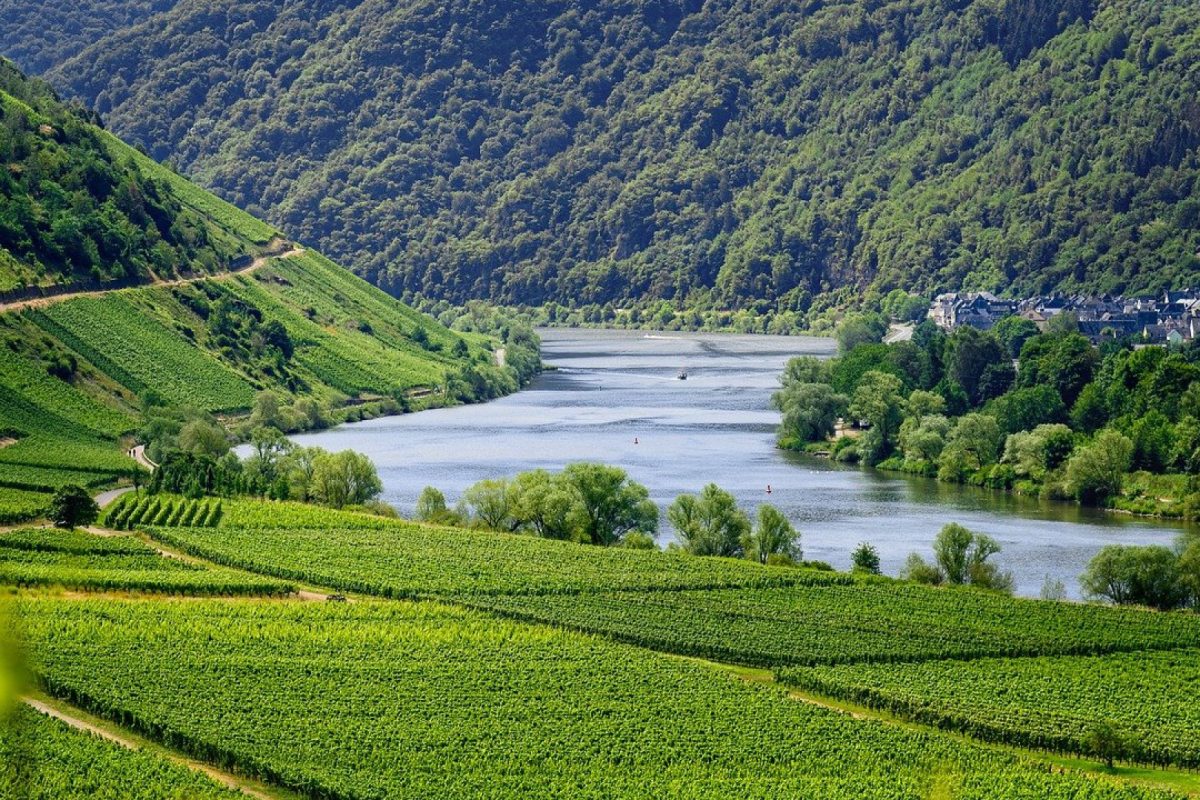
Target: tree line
599 504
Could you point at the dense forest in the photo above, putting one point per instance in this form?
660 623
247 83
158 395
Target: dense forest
1115 426
72 210
763 155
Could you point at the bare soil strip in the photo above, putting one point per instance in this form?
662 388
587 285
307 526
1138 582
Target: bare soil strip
79 721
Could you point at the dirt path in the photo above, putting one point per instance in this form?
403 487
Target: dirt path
278 248
75 720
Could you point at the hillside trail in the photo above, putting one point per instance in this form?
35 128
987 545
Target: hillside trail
278 248
74 719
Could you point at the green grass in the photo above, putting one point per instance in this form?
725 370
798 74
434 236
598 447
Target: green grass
43 759
406 700
402 559
860 622
1047 703
77 560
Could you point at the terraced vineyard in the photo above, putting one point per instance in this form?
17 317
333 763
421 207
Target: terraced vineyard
77 560
846 623
405 700
226 216
43 759
405 560
1046 703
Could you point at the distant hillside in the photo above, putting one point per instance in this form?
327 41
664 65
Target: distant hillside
734 154
81 371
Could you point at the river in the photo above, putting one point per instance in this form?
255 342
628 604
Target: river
615 397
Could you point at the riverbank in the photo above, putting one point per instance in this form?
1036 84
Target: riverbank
615 397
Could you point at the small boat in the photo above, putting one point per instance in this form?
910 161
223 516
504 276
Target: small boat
682 375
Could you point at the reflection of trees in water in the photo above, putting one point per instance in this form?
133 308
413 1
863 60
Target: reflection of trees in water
887 488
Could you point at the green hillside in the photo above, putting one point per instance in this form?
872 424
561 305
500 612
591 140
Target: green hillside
769 155
78 208
241 314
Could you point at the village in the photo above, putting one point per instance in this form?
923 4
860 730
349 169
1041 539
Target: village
1171 318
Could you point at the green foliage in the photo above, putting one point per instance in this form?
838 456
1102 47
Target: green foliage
1130 575
1097 470
773 539
1113 707
503 695
878 402
829 618
72 506
716 156
976 362
865 559
1066 362
858 329
1026 409
810 411
613 505
710 523
345 478
1013 332
960 557
43 758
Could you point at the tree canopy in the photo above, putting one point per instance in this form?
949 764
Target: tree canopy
771 155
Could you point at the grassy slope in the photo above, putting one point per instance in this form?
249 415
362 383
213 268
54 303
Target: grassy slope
352 342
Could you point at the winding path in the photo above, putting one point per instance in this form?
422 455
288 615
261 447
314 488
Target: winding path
278 248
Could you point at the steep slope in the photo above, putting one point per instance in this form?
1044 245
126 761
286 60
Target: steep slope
80 211
721 152
80 369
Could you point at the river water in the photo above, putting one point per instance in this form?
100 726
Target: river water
615 397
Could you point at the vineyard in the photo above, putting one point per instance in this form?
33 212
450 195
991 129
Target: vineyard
407 560
126 343
43 759
34 398
76 560
1044 703
226 216
869 622
414 701
17 505
132 510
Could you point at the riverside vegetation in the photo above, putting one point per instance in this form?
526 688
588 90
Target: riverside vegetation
1116 426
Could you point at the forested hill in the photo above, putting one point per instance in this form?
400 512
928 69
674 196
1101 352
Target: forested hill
720 152
76 207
